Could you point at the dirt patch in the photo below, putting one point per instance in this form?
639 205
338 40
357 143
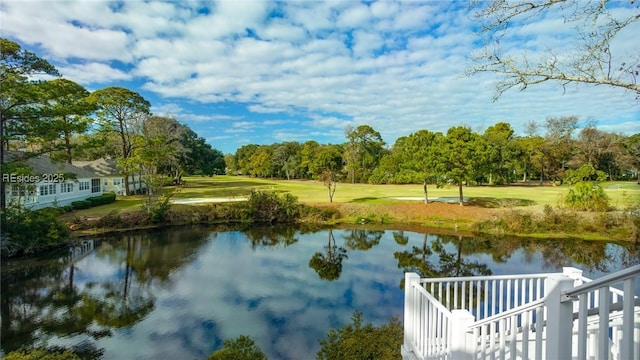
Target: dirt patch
432 214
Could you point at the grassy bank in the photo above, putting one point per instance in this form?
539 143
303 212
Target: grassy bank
381 205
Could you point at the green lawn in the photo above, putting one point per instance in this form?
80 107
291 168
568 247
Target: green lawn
622 194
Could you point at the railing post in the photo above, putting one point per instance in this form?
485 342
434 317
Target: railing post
461 338
574 273
410 280
559 317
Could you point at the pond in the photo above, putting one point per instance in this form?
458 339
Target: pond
180 293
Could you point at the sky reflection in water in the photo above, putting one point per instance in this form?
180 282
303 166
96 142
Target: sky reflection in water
197 288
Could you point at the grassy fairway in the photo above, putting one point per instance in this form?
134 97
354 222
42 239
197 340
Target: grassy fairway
621 193
379 201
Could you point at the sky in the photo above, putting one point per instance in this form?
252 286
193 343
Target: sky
261 72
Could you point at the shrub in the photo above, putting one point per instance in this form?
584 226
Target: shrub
157 209
108 197
242 348
26 231
587 197
356 342
318 214
111 220
271 208
41 354
82 204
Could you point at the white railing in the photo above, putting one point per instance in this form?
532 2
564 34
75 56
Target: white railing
81 250
484 296
522 317
431 331
616 333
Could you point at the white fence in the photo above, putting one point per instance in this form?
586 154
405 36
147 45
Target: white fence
540 316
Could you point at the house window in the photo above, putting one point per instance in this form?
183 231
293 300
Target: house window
66 187
84 185
48 189
17 190
106 182
117 182
95 185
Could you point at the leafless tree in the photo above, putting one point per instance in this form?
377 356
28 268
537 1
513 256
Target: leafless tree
586 56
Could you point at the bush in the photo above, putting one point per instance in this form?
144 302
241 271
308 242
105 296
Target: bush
587 197
108 197
41 354
242 348
157 209
319 214
111 220
271 208
82 204
95 200
27 231
357 342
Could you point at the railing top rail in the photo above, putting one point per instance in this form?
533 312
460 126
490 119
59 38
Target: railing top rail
508 313
491 277
616 277
435 301
612 289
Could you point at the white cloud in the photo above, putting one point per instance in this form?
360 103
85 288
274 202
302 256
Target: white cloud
93 73
395 65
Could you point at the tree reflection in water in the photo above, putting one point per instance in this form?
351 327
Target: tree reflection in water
40 298
329 265
448 264
110 292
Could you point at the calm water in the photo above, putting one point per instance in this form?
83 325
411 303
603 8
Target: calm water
179 294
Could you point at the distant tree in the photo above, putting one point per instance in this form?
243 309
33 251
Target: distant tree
500 153
172 132
286 159
243 158
261 162
460 157
632 144
363 151
121 111
231 166
327 167
423 155
199 157
558 146
602 150
307 157
591 59
530 161
147 156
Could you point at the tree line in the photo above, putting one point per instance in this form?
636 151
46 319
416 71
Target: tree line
62 119
552 152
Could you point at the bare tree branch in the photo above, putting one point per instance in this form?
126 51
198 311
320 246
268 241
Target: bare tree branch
588 57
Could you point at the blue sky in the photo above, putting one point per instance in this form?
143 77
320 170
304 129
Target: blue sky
243 72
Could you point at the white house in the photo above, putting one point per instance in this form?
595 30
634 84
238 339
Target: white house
50 184
110 176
